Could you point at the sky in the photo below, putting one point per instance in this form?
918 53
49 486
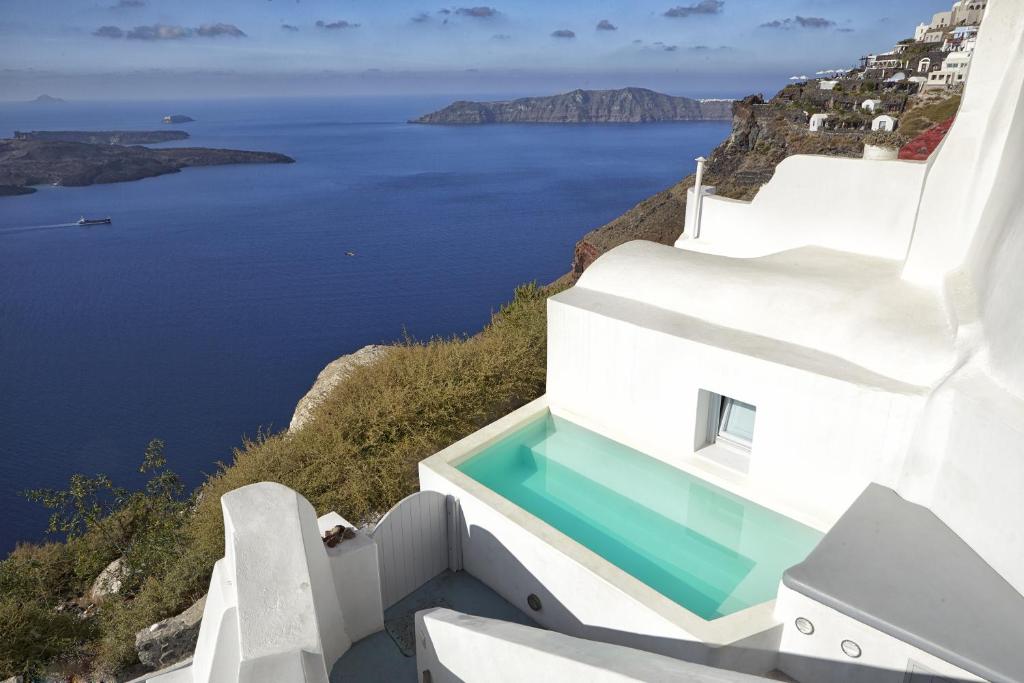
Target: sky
163 49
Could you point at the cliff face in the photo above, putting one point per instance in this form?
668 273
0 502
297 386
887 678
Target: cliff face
629 105
763 134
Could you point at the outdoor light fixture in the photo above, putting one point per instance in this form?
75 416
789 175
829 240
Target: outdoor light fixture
850 648
804 626
533 601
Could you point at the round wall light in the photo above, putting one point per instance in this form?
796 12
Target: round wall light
804 626
533 601
850 649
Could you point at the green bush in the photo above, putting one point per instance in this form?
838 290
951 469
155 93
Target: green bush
34 636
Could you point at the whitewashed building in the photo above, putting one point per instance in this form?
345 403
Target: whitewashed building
792 445
817 122
871 105
884 123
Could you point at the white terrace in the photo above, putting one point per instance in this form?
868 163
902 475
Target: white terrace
791 446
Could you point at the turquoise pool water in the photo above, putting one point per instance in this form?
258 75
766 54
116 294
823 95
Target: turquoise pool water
712 552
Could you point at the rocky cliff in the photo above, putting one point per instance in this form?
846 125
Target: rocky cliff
330 377
628 105
763 134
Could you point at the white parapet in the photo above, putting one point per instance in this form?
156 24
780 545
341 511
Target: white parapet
842 204
279 601
457 647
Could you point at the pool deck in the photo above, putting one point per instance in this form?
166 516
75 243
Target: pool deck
379 658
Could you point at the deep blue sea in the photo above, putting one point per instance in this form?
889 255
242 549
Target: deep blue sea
206 310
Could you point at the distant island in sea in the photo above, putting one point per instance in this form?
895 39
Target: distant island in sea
626 105
77 158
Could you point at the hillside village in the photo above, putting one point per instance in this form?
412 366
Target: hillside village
883 92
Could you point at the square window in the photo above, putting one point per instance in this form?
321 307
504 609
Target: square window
736 423
725 429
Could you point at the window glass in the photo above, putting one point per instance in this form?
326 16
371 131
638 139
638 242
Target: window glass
737 420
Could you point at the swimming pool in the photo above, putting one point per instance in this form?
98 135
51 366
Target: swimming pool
710 551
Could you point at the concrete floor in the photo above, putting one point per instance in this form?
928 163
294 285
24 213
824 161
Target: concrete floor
379 659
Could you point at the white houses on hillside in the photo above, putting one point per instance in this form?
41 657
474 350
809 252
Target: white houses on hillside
817 122
884 123
953 72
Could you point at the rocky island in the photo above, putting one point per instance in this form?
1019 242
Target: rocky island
628 105
35 161
104 137
178 118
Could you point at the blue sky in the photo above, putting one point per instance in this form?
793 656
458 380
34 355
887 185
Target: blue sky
148 48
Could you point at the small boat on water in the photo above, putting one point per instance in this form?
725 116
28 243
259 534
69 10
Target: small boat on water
94 221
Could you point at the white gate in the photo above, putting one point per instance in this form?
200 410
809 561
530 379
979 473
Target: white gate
412 543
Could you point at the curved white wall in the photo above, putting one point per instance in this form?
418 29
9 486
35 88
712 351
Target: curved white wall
843 204
964 176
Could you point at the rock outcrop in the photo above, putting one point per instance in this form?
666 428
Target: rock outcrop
628 105
178 118
172 640
763 134
37 162
329 378
104 137
108 582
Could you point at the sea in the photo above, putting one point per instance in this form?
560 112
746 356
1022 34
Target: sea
206 309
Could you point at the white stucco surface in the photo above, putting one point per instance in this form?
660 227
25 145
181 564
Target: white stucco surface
865 313
357 580
272 612
808 203
457 647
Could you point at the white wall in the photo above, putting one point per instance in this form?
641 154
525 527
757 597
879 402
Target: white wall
273 611
847 205
967 465
818 440
504 554
457 647
965 181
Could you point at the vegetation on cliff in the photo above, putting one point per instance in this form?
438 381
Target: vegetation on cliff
357 455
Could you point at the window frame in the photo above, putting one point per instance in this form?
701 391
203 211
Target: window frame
719 416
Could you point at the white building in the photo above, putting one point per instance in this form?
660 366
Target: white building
836 380
817 122
827 85
920 32
883 123
941 20
955 68
871 105
969 12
